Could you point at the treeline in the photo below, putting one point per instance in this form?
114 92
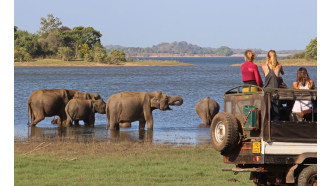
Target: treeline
53 40
183 48
309 53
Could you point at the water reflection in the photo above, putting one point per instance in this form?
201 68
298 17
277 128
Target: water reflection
87 133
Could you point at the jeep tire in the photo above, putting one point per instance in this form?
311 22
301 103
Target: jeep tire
224 133
308 176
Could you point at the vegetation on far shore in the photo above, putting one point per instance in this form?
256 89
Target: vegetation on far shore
49 162
288 62
58 62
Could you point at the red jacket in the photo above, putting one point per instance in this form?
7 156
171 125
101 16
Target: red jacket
250 72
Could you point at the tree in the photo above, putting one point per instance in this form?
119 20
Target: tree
224 51
20 54
82 35
29 42
49 24
99 52
116 56
66 53
51 42
311 49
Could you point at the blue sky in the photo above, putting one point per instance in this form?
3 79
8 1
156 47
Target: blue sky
278 25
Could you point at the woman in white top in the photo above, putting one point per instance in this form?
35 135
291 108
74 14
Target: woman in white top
303 82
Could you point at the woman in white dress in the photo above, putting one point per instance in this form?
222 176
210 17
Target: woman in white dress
303 82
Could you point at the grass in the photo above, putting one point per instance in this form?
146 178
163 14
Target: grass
288 62
56 62
124 163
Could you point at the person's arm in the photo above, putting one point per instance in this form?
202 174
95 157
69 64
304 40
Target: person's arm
281 69
295 85
263 69
257 76
311 84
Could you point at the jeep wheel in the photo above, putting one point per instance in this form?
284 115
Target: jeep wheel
224 133
308 176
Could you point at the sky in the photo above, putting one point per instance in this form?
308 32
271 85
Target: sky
262 24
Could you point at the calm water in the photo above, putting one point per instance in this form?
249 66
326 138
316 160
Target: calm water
208 77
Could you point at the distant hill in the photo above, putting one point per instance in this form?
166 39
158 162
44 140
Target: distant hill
182 48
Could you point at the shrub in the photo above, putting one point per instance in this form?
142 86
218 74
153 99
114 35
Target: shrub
65 53
116 57
88 57
299 55
311 49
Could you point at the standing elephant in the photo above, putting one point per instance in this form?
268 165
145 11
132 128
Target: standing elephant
78 109
48 102
206 109
126 107
87 96
83 96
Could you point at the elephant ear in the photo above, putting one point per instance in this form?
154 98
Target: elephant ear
154 102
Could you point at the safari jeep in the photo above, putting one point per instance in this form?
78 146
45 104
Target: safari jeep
258 133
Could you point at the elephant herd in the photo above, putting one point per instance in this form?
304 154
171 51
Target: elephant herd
121 109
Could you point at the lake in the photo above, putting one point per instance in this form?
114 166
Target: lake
208 77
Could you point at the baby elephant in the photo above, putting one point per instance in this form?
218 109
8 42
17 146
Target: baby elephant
206 109
78 109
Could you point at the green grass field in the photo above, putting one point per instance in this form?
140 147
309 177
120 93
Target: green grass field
56 62
105 163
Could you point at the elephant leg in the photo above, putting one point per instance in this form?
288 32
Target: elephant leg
91 120
142 124
36 118
148 118
68 122
114 126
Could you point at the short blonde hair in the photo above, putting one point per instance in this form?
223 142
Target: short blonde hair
250 55
272 59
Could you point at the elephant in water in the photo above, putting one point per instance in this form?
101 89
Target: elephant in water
86 96
48 102
206 109
78 109
126 107
82 96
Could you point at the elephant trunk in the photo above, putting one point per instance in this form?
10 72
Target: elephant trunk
176 101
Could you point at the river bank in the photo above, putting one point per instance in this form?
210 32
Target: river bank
288 62
79 63
63 162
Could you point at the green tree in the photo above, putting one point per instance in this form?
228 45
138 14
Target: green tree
66 53
224 51
116 56
311 49
29 42
82 35
49 24
99 52
20 54
51 42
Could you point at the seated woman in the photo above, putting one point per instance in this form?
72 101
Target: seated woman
250 72
303 82
272 70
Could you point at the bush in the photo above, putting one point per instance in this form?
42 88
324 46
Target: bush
21 55
116 57
311 49
65 53
299 55
88 57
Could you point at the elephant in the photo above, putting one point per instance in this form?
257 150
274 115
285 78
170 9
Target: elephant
127 107
206 109
48 102
78 109
84 96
